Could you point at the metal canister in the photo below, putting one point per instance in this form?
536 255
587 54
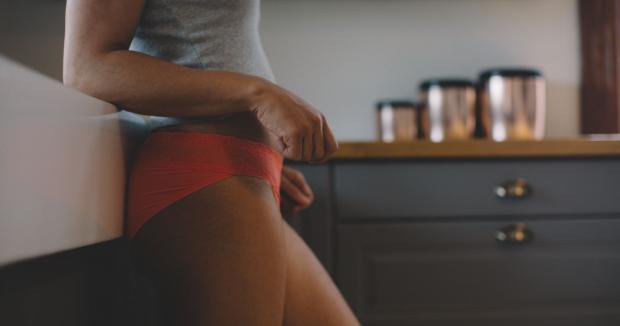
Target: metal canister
448 109
397 121
512 103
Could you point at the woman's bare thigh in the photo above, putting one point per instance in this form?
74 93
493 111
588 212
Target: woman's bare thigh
218 255
224 256
311 296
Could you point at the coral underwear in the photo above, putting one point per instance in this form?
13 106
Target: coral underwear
173 165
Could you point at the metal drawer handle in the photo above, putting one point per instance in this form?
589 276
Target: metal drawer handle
517 189
514 234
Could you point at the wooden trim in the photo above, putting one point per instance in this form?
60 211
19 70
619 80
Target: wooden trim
600 66
479 149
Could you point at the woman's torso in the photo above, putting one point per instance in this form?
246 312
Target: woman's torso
205 34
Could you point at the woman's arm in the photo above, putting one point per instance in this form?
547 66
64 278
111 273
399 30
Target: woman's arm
97 62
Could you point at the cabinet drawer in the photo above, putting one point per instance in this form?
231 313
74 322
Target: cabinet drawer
469 188
441 273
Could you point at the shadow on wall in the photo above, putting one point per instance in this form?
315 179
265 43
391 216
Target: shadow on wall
32 32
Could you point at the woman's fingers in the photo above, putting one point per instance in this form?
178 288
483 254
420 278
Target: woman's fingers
319 144
294 185
308 144
301 129
331 145
293 146
295 193
329 142
298 179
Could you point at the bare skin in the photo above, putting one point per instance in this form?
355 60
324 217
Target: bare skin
97 62
222 255
221 263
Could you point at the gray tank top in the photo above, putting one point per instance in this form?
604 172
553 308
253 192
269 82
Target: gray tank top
203 34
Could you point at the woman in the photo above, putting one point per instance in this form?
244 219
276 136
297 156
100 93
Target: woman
204 192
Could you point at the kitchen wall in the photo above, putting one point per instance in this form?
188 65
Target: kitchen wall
32 31
342 55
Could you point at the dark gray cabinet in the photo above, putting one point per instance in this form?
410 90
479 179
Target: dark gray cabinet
425 272
420 242
467 188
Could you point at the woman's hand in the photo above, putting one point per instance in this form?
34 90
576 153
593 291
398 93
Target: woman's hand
301 130
296 193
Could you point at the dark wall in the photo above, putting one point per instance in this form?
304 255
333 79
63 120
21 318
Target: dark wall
32 32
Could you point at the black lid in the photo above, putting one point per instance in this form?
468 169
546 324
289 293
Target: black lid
510 72
396 104
448 82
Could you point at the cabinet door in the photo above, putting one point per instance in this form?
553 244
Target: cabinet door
458 273
371 190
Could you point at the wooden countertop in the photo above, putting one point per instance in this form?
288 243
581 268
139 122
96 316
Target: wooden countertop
608 146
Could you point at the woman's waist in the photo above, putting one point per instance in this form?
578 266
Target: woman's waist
243 125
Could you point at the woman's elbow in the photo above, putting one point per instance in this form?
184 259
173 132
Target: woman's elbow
77 78
70 78
86 80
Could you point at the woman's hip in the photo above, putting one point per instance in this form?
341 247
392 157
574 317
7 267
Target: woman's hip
173 164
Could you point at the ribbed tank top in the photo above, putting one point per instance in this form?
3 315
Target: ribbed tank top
203 34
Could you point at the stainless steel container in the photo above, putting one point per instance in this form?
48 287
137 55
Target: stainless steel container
512 104
448 109
397 121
